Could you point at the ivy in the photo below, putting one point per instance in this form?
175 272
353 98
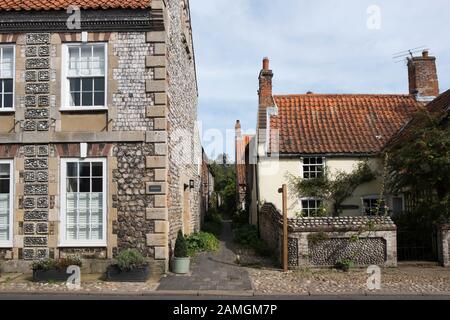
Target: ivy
334 189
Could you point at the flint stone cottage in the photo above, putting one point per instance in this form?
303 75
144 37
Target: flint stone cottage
303 135
99 150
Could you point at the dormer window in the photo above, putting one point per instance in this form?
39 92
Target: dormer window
84 76
313 167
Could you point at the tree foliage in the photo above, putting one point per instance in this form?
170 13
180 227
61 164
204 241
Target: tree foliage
225 185
334 189
419 164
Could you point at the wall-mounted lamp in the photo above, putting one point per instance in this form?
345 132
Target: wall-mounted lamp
191 184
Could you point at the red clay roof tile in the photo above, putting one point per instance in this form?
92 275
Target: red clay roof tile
340 123
18 5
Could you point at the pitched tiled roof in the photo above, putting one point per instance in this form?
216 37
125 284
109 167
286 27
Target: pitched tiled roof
335 124
440 104
19 5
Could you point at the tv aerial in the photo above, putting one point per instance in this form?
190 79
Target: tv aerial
404 55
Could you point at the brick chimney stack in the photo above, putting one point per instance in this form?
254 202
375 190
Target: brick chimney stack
422 76
238 142
265 85
265 92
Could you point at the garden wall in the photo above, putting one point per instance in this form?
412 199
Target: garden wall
323 241
443 243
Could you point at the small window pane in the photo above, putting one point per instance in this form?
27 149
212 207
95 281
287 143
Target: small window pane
72 169
97 185
99 99
8 101
98 61
87 84
8 86
72 185
87 99
85 185
75 84
99 84
4 185
4 170
7 65
85 66
75 99
74 60
97 169
85 169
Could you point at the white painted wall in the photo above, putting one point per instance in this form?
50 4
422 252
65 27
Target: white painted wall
273 173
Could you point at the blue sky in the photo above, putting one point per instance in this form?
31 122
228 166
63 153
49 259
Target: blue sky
320 46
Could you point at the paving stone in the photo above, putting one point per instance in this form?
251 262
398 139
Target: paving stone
211 271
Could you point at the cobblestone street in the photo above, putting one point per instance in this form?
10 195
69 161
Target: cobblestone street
90 284
407 279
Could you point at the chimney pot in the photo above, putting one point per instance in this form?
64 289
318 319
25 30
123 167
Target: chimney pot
266 63
425 53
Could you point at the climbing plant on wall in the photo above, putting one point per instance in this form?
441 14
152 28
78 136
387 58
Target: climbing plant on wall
333 188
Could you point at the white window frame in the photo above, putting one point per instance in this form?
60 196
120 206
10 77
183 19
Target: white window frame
9 243
371 197
309 199
302 170
65 86
63 242
3 109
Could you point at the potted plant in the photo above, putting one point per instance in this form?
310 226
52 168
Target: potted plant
131 266
181 260
53 270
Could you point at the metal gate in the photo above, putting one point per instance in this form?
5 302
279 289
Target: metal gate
417 245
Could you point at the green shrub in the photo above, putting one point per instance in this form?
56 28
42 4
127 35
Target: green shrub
202 242
345 264
130 259
60 264
240 217
247 236
213 223
181 250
